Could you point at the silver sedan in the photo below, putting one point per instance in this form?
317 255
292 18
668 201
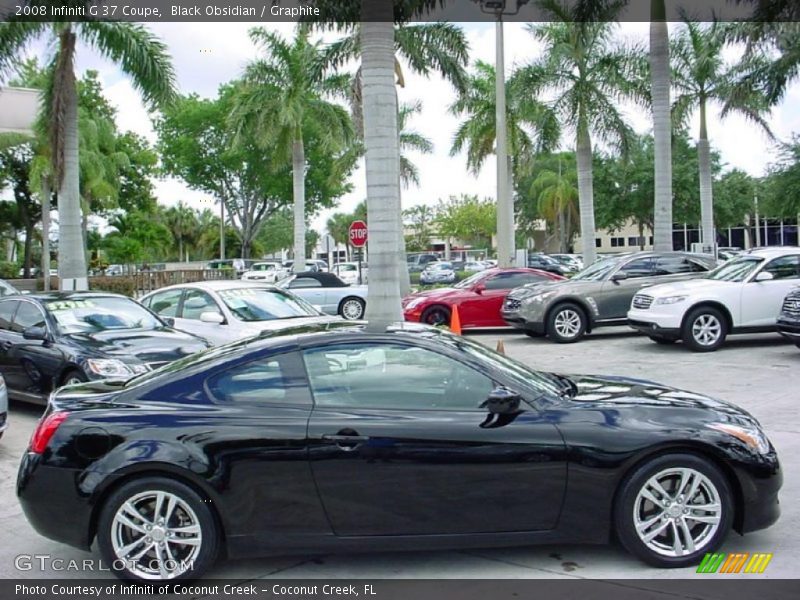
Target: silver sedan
329 294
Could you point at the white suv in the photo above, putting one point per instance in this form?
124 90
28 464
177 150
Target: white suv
269 272
743 295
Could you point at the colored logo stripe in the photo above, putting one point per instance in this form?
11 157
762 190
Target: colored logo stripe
734 563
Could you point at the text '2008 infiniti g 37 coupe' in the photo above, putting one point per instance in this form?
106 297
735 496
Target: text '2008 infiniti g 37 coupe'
333 437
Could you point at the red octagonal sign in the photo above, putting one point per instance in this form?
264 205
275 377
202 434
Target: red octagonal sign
358 233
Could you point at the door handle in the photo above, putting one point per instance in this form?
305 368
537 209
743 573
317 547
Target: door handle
346 441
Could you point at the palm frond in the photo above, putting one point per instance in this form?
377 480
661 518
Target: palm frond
14 36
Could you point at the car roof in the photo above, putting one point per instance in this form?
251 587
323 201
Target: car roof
327 279
217 284
47 296
772 251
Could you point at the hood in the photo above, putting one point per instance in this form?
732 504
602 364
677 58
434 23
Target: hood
691 286
438 293
155 345
624 392
566 285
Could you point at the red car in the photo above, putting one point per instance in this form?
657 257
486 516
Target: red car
479 298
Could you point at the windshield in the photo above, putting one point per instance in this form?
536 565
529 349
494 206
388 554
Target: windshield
471 280
736 269
342 268
598 271
254 304
100 313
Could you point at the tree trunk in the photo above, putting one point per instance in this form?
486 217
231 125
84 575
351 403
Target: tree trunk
706 195
662 126
562 231
71 245
585 191
382 161
299 191
46 232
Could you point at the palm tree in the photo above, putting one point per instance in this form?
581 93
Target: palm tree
586 74
662 126
284 97
701 77
182 222
557 196
140 55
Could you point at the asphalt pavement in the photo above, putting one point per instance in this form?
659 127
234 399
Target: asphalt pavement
761 373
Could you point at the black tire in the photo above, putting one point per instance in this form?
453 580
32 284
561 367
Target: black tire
210 540
716 322
348 307
74 376
558 319
629 506
662 340
436 315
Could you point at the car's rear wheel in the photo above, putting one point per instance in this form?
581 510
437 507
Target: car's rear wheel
157 529
436 315
352 308
662 340
73 377
704 329
566 323
674 509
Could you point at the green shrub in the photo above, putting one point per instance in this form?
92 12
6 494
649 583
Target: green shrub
117 285
9 270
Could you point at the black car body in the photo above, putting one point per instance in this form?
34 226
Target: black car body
304 443
789 319
38 354
546 263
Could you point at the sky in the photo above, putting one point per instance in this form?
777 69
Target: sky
207 55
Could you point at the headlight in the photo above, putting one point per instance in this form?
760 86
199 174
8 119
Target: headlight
670 300
415 302
753 437
108 367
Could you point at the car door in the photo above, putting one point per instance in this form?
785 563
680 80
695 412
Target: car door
761 300
7 309
37 362
196 302
400 446
309 289
614 298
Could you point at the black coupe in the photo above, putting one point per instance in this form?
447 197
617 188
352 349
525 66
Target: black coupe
333 437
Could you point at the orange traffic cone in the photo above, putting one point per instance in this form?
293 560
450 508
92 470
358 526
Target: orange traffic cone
455 321
501 349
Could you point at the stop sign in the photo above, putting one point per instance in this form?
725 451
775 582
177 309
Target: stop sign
357 233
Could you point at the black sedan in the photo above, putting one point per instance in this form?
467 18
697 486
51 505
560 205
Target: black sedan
53 339
789 319
334 438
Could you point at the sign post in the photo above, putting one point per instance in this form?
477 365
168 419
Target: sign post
357 233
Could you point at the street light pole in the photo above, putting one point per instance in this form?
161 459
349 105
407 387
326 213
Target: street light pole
505 209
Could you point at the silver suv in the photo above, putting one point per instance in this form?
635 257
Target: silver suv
599 295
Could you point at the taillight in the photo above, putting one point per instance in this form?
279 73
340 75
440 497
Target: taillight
44 431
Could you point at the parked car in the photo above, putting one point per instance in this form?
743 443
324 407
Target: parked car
348 272
474 266
114 270
438 272
57 338
225 311
445 442
570 262
599 295
479 298
240 265
3 406
743 295
728 252
789 319
418 262
6 289
545 263
329 294
268 272
318 266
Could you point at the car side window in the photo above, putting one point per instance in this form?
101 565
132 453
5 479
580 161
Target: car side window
393 376
166 303
641 267
196 302
509 281
269 380
674 265
28 315
304 282
7 309
785 267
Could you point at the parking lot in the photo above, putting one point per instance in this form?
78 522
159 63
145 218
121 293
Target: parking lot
761 373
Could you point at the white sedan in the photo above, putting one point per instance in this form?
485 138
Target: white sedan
743 295
348 272
328 293
268 272
225 311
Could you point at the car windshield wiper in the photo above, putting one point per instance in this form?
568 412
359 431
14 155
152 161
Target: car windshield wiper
568 387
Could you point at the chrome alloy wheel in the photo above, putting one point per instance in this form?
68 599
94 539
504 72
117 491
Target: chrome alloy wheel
156 535
352 310
567 323
706 330
677 512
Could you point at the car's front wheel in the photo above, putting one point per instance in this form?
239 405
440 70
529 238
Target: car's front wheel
566 323
673 509
352 309
74 377
436 315
704 329
157 529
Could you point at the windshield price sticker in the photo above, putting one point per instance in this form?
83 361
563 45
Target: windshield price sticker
69 304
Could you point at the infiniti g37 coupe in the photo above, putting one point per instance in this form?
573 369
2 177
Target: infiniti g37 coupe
334 437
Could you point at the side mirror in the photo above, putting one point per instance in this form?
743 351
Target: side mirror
168 321
212 317
502 401
35 333
619 276
765 276
479 289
